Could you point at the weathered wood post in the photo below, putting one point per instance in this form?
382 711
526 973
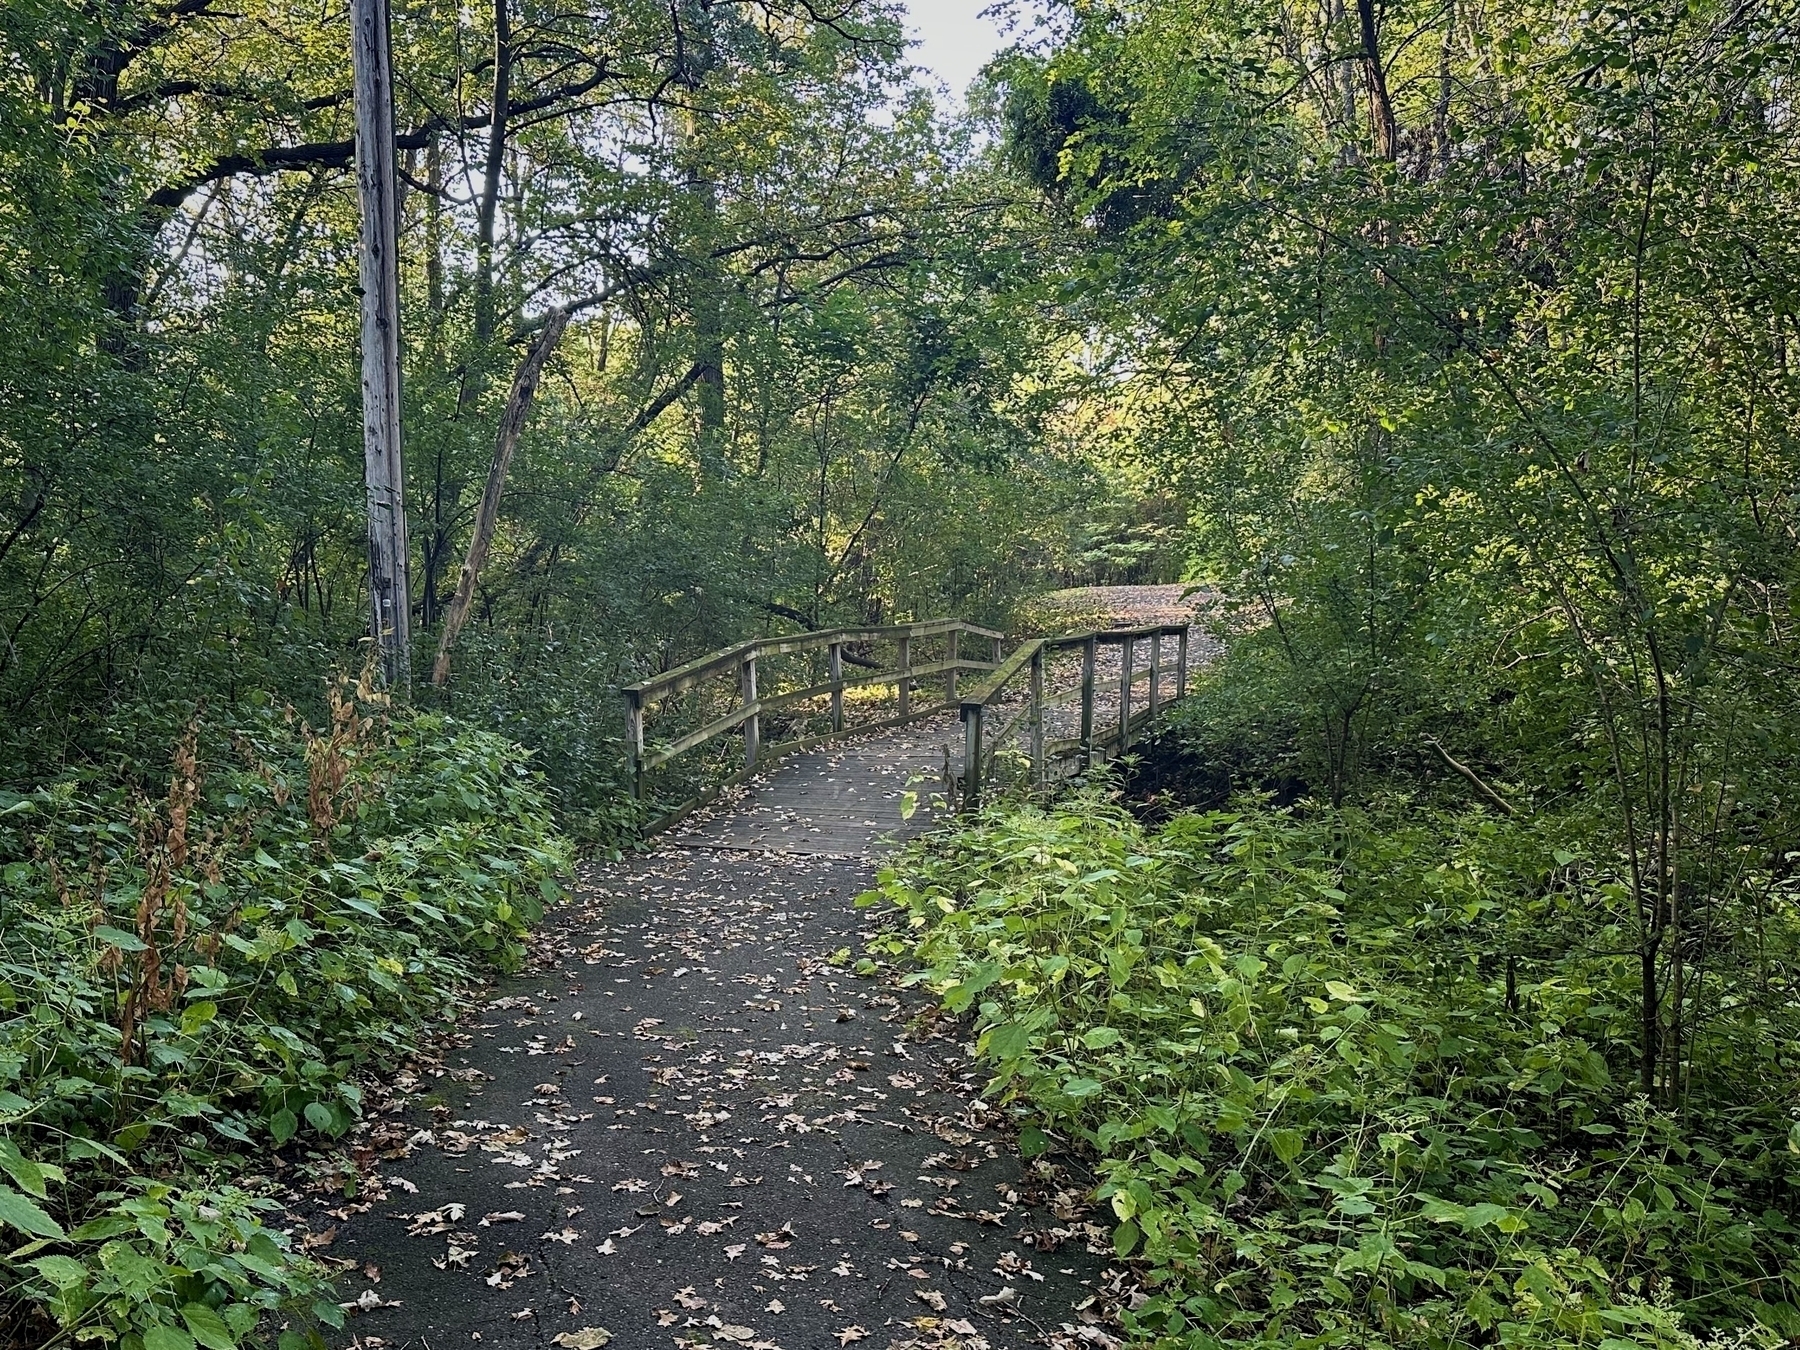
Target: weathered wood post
952 654
837 687
1037 715
1155 673
1181 640
752 723
1125 695
905 671
998 642
971 715
378 270
634 741
1089 651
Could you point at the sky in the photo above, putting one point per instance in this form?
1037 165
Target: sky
954 41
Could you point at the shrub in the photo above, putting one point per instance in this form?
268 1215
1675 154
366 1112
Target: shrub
188 980
1364 1080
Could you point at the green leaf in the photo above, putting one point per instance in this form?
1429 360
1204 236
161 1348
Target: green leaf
283 1124
1125 1238
23 1214
1098 1038
1009 1040
118 937
208 1327
318 1115
167 1338
1080 1088
1033 1142
1288 1144
22 1169
65 1272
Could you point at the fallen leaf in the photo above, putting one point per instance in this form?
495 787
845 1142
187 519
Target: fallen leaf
852 1333
588 1338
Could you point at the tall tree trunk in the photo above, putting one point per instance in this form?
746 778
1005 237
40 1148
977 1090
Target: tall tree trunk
1381 107
490 180
512 423
698 56
390 618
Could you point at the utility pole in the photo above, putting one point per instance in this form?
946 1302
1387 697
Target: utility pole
379 269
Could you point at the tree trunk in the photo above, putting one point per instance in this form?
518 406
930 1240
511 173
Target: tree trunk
1381 107
512 423
698 56
390 617
490 180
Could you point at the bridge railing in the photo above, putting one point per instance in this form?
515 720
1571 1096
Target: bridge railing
748 702
1014 703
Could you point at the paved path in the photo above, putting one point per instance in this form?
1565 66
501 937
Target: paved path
691 1124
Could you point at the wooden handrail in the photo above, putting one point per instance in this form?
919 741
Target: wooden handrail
741 661
981 743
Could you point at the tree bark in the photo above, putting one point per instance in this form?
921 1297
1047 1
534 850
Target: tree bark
390 617
512 423
490 177
1381 107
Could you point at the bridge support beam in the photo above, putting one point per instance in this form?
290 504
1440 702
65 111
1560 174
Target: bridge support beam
634 742
971 715
836 676
1155 674
1039 770
1125 654
752 724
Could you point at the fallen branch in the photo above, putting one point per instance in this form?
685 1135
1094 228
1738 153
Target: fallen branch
1473 779
512 423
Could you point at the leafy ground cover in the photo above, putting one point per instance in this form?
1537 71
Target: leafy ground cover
1365 1077
194 975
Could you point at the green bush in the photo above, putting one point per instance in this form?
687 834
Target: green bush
1367 1080
190 979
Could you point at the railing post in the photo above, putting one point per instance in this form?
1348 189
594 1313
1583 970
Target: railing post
1125 696
953 654
1088 654
634 741
1155 673
1181 640
905 668
971 715
837 687
997 645
747 689
1038 768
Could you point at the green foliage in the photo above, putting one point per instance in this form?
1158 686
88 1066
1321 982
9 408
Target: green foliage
189 980
1365 1078
1443 321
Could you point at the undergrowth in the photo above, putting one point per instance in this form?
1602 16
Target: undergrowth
1364 1078
194 973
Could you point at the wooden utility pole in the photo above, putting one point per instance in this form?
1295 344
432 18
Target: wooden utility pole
379 269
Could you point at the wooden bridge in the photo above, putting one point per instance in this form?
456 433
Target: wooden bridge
1051 707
